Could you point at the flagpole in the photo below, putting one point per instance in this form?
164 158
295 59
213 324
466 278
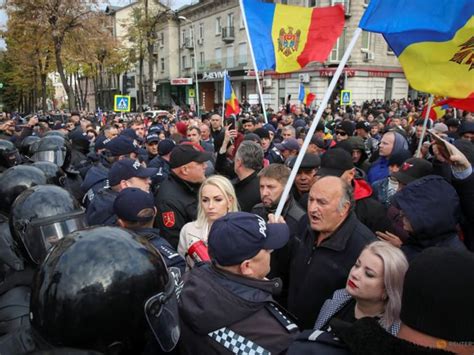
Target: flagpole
254 62
425 123
223 101
322 107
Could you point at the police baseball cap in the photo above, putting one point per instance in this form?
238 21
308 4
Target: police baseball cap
130 202
187 153
239 236
153 137
126 169
166 146
288 144
121 145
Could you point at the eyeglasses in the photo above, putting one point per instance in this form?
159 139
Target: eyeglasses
341 133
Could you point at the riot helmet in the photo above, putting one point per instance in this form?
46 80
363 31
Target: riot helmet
16 180
104 288
54 149
9 155
54 174
26 143
41 216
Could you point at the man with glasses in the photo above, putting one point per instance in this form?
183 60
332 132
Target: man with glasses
344 130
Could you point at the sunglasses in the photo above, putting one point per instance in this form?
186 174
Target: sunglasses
341 133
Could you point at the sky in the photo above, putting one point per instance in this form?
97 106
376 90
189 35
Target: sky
176 4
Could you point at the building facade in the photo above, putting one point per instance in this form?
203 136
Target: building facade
212 33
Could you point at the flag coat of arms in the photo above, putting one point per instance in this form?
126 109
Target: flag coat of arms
231 103
434 42
286 38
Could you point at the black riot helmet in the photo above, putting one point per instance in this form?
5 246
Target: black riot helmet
104 289
41 216
26 144
16 180
54 149
54 174
9 155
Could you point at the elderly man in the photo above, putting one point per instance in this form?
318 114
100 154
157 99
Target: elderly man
227 307
176 199
216 125
327 249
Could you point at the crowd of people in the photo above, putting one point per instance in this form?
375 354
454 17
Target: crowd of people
147 234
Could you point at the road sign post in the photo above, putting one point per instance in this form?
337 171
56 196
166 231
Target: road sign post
122 103
346 97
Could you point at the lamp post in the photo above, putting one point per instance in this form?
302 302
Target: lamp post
182 18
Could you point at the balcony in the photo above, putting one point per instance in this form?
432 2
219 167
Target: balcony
188 43
228 35
233 63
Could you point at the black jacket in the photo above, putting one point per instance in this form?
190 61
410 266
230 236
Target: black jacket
100 210
176 202
248 191
317 271
216 306
364 337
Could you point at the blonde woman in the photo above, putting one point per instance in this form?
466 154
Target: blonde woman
216 198
373 289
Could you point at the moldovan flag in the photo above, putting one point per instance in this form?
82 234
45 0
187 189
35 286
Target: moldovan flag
434 42
305 96
438 110
286 38
231 102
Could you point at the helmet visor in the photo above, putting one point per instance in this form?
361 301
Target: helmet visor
12 158
161 313
54 156
43 234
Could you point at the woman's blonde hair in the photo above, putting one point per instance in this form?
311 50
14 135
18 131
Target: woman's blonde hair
395 266
225 186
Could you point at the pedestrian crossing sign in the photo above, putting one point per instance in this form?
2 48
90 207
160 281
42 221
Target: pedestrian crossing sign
346 97
121 103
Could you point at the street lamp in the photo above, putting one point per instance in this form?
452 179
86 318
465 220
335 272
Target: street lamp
182 18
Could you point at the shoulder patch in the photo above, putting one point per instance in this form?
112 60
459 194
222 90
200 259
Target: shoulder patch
168 219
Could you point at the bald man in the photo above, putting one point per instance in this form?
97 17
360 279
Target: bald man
327 249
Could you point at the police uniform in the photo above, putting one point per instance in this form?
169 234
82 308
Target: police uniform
101 208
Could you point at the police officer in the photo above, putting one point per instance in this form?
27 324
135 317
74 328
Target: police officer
9 155
124 173
162 160
39 218
81 300
136 211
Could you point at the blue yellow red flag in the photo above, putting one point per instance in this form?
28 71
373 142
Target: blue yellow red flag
231 103
286 38
434 42
305 96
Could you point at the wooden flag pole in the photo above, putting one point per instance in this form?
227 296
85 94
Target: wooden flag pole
425 123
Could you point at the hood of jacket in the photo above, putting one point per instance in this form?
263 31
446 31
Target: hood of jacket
431 204
362 189
213 298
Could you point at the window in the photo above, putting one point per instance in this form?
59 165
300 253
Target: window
345 3
183 62
242 53
284 2
366 2
230 57
218 26
201 30
162 62
312 3
338 50
183 36
191 35
242 24
366 44
218 55
162 38
230 20
389 50
201 58
192 60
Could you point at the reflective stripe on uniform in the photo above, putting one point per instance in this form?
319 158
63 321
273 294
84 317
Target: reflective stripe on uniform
236 343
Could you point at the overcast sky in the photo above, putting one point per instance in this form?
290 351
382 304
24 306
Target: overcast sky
175 4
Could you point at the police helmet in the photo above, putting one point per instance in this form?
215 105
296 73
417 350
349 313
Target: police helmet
54 149
16 180
26 143
41 216
104 289
9 155
54 174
